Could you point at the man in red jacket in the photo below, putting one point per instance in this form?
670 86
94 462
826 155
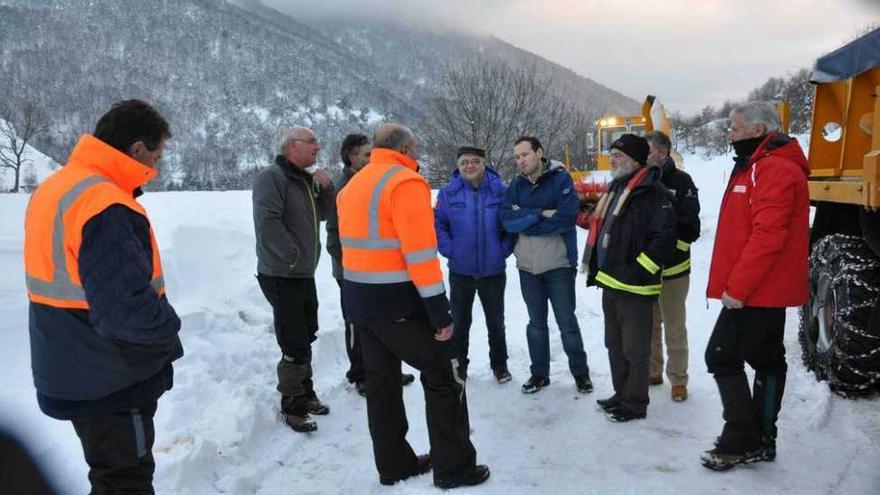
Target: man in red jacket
759 267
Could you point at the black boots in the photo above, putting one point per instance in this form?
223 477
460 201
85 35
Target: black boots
424 465
474 476
740 441
584 384
535 384
767 400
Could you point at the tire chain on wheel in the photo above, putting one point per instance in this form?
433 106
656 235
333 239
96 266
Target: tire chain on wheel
852 365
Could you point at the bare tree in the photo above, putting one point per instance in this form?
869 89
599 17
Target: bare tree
18 126
488 103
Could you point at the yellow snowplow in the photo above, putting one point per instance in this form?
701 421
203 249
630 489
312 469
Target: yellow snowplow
840 325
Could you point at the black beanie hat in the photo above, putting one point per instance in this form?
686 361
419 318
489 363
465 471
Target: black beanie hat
633 146
470 150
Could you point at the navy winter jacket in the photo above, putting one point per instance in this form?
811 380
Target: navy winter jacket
554 190
468 225
116 355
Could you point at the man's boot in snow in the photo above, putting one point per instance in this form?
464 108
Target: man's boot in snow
470 477
315 406
424 465
767 400
740 441
294 412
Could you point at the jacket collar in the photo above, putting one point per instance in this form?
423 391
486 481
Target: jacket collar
457 183
387 156
123 170
289 169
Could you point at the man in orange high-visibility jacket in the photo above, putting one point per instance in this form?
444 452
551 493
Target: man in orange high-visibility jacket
395 294
103 335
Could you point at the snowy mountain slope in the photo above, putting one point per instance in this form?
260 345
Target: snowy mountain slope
218 430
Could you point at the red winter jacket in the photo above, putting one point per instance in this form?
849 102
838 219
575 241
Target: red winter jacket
762 242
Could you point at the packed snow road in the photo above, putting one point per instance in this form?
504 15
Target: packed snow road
218 430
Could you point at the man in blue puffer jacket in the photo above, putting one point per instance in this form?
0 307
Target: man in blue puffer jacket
469 234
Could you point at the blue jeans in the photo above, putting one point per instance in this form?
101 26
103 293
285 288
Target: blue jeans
557 286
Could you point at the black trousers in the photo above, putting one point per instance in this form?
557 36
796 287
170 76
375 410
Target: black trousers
119 450
491 292
629 322
353 349
748 335
754 336
295 311
413 341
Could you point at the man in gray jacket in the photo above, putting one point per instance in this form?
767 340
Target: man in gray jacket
289 204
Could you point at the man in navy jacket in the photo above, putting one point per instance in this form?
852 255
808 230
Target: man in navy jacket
541 206
470 235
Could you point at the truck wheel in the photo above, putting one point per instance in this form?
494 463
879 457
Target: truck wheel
834 335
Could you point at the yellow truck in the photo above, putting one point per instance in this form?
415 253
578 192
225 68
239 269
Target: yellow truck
840 326
607 129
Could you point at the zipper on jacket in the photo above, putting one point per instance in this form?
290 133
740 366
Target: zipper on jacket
314 220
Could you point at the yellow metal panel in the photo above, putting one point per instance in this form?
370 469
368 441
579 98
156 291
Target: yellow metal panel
828 106
837 192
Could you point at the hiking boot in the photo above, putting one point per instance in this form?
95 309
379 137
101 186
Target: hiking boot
609 403
679 393
406 379
769 453
622 414
718 460
295 414
535 384
424 465
583 384
470 477
315 406
655 380
502 375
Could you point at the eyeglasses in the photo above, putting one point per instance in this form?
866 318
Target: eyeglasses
616 155
465 163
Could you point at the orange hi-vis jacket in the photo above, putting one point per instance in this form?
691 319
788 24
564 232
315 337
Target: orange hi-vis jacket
95 177
389 245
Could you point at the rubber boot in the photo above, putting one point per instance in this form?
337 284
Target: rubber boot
767 400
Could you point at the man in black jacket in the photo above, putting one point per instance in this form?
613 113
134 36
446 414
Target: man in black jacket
669 312
632 236
289 204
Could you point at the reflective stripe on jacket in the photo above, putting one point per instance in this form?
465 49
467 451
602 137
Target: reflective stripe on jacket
386 228
95 177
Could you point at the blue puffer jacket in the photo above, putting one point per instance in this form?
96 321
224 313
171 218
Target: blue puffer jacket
554 190
468 226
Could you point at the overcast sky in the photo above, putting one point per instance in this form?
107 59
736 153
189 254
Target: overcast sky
690 53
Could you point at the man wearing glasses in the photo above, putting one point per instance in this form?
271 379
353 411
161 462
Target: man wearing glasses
470 236
288 204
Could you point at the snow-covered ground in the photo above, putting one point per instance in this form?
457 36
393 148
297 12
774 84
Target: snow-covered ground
218 431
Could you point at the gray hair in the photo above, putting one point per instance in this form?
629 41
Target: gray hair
393 137
759 112
660 140
289 134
